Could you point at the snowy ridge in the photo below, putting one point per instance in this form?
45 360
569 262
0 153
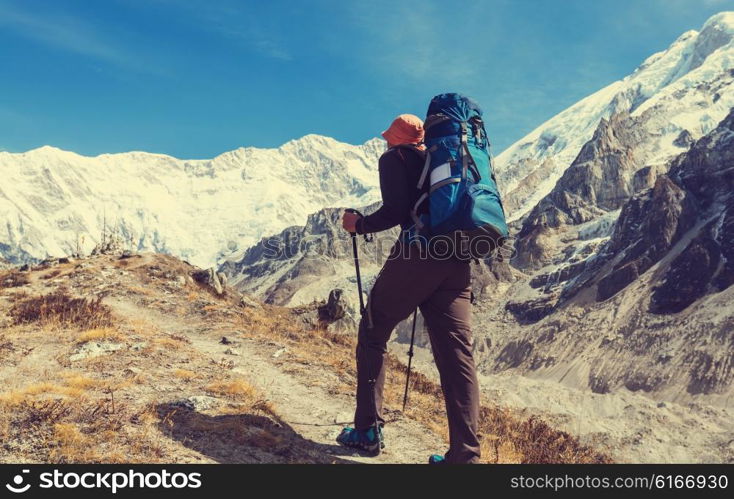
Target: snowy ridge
200 210
686 87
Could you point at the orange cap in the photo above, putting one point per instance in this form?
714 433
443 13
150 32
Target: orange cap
405 129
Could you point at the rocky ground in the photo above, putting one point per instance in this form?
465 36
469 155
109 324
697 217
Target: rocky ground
629 426
144 358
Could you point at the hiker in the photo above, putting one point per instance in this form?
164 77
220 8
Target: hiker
440 287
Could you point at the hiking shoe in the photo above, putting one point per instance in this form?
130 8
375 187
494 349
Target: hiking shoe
365 440
436 459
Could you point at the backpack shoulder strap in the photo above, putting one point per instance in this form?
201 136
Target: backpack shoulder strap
424 154
408 147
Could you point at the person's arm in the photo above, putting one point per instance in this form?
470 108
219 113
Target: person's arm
395 199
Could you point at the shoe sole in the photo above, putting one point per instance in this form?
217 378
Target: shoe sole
366 450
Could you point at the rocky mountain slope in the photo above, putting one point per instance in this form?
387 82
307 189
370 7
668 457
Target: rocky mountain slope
629 254
672 98
650 307
55 203
303 263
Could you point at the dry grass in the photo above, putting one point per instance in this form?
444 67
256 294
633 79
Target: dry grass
71 445
236 389
108 408
13 279
80 381
143 327
59 308
99 334
168 343
185 375
78 420
140 290
17 397
265 439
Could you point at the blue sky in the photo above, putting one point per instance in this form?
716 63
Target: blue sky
194 78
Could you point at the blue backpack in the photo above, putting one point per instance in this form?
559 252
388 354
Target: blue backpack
457 180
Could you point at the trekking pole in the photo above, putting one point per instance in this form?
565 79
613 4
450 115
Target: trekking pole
410 360
356 262
372 381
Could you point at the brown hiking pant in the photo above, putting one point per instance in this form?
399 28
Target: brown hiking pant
441 288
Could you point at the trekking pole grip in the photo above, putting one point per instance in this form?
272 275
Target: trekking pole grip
367 237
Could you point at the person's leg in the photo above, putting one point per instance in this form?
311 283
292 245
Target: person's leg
448 316
402 284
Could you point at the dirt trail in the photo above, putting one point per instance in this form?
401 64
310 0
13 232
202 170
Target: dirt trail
311 411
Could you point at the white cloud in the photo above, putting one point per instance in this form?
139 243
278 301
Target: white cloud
66 32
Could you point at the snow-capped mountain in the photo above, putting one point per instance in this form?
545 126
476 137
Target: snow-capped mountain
199 210
675 96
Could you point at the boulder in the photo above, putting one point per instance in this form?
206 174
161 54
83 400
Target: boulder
110 246
222 278
197 403
128 254
335 308
210 278
531 311
95 349
248 302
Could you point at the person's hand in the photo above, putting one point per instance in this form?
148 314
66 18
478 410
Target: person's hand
349 221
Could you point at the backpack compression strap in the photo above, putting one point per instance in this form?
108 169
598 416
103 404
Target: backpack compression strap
467 161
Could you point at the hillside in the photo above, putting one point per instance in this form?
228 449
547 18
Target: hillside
138 359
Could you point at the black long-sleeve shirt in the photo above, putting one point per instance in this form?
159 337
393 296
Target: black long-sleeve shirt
400 168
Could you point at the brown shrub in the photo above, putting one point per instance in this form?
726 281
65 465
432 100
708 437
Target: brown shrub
52 274
60 308
13 279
